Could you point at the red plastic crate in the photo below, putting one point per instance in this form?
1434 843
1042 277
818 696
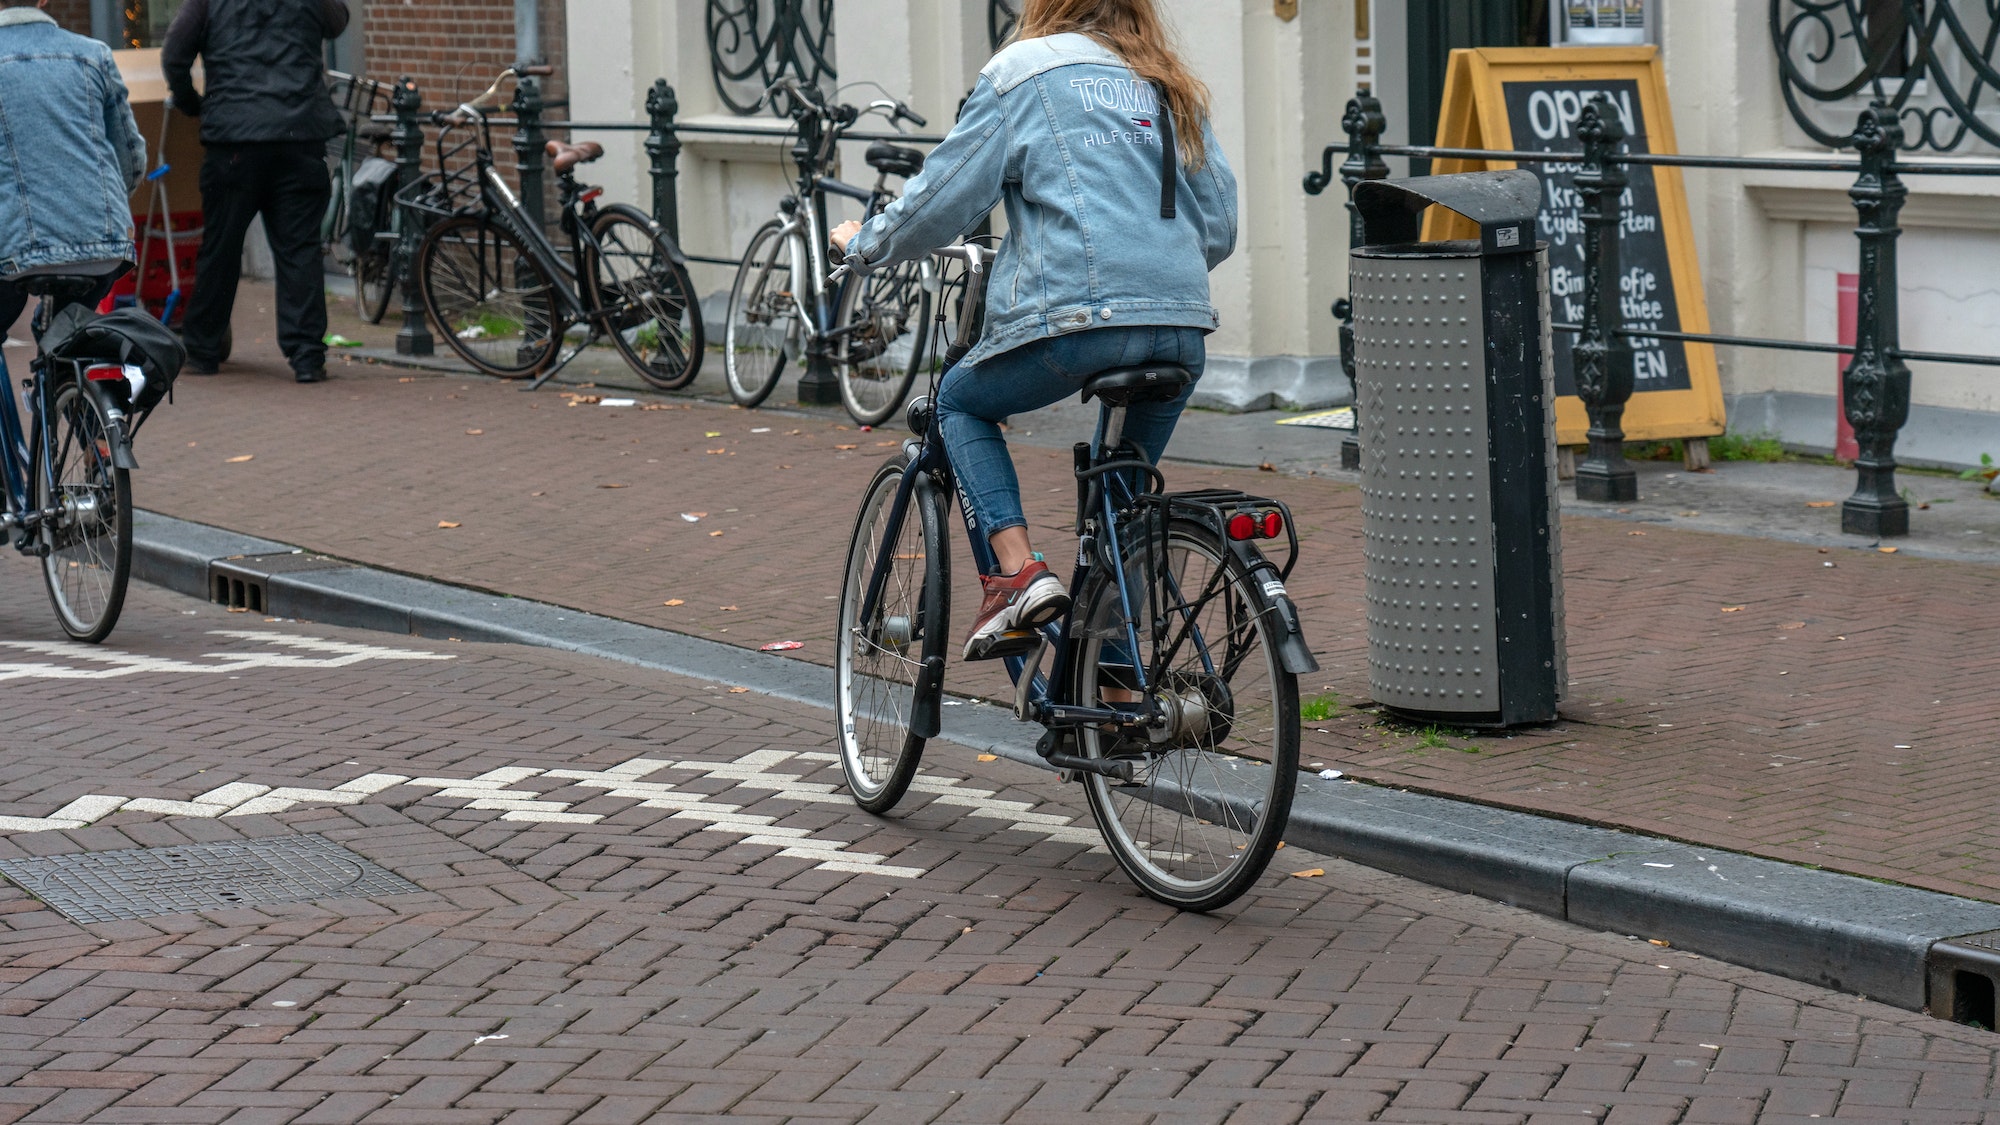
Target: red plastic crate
157 282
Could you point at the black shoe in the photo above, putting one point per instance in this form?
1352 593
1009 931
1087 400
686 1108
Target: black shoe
310 375
195 366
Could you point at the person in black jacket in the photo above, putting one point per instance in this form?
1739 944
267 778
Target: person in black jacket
265 119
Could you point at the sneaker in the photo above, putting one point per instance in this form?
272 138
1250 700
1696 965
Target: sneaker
1013 603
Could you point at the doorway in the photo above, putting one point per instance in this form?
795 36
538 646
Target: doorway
1437 27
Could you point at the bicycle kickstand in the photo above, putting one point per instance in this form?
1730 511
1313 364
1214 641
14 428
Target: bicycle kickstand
555 368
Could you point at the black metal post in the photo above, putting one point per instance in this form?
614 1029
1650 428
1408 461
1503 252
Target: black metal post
1602 359
663 144
1876 391
414 337
1363 123
530 156
818 386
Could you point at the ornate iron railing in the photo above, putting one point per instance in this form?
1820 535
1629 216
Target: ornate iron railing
752 43
1001 16
1932 62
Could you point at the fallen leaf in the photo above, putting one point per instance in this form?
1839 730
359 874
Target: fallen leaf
1887 550
239 609
713 452
738 690
727 608
715 535
1309 873
1635 533
880 444
989 757
447 523
240 460
713 433
407 379
1267 467
1661 944
1819 503
675 601
847 447
1281 843
614 486
793 433
1732 609
538 494
1793 625
474 433
1690 512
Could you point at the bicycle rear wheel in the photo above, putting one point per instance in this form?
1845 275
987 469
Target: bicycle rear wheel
653 316
374 280
879 662
491 301
1211 793
879 347
89 541
764 329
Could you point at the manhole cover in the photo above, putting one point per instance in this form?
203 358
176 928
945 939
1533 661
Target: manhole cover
101 886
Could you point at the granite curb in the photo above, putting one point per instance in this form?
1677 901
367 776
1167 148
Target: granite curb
1837 931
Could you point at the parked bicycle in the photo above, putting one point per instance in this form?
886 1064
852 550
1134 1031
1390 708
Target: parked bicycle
67 472
502 294
363 227
783 310
1172 691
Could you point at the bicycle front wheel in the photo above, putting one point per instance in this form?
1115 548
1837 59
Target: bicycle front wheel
647 298
880 659
89 536
879 346
491 301
763 329
1212 790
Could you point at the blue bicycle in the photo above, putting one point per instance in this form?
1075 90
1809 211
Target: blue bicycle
67 469
1171 691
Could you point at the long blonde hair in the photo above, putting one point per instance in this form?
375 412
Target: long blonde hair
1132 30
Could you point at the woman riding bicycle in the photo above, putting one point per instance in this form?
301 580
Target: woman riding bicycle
1119 203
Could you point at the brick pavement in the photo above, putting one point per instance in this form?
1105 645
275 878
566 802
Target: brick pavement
646 967
1822 707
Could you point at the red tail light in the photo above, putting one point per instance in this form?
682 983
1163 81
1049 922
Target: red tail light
1243 525
589 194
105 373
1256 525
1274 525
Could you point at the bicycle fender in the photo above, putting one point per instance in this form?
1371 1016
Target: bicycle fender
927 711
672 244
121 440
1293 652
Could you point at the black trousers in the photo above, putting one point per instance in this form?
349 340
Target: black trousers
287 183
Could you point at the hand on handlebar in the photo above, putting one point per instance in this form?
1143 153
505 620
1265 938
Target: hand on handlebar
843 234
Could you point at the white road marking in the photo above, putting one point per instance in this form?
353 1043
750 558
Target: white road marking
95 662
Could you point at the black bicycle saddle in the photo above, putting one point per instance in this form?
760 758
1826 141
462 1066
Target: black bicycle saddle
1123 386
44 280
895 159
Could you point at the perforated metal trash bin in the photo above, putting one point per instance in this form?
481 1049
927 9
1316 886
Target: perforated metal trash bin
1457 400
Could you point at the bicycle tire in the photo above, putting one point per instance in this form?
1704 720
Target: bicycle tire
763 322
883 323
879 752
1208 804
637 264
374 268
488 298
86 582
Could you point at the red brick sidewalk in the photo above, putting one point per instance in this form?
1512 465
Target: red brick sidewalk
1827 708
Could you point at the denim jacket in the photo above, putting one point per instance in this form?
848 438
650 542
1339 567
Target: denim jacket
1061 131
70 153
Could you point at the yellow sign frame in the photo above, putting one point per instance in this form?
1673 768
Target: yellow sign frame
1475 116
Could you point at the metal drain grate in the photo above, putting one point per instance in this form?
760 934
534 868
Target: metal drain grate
102 886
1964 976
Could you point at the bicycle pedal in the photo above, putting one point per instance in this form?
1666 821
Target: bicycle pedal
1014 642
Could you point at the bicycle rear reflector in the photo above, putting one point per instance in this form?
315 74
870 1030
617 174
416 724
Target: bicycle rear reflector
1256 525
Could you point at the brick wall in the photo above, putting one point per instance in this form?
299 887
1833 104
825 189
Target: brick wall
453 48
73 15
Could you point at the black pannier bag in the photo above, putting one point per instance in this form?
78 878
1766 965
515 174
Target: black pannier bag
123 336
368 207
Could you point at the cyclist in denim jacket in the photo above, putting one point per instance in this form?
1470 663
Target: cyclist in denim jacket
1065 126
70 153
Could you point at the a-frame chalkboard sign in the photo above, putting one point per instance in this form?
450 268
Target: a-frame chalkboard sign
1528 99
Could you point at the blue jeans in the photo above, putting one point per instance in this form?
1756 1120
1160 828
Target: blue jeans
976 399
